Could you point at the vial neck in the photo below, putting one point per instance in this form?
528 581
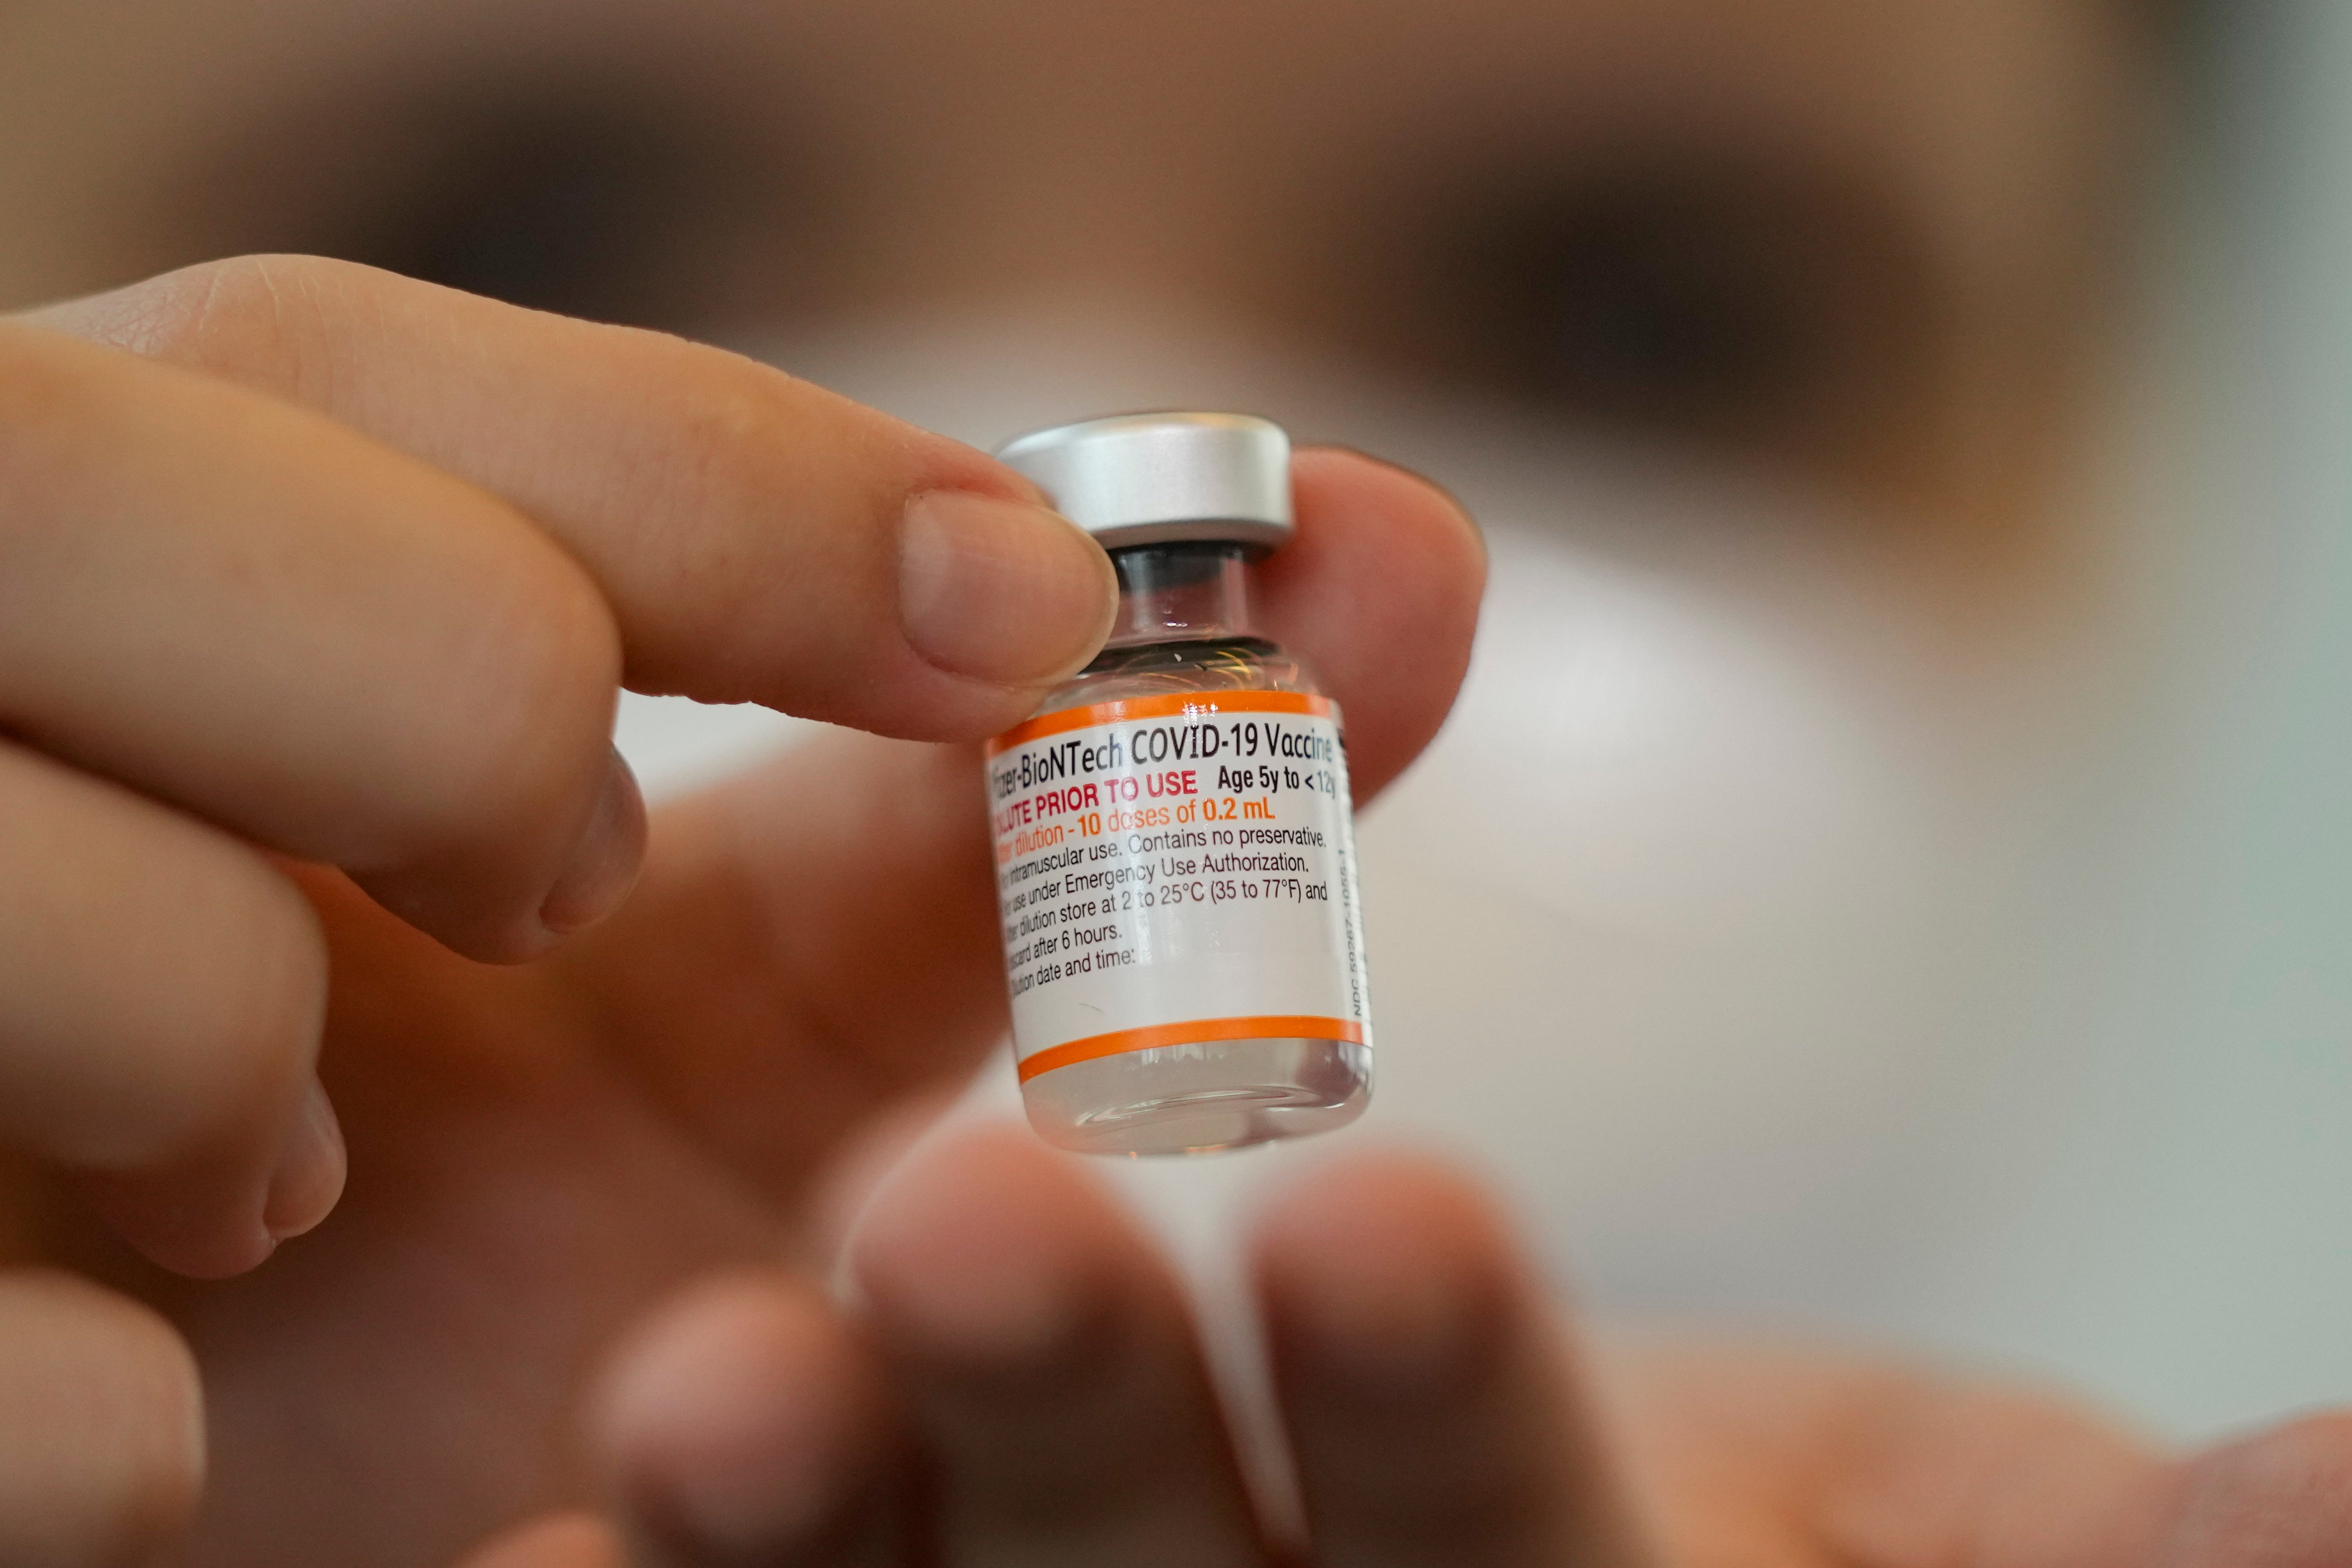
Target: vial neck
1179 593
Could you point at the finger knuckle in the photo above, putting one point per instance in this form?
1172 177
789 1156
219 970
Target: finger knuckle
230 969
536 677
715 453
719 460
245 1004
281 321
239 313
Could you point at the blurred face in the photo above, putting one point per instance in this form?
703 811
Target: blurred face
1858 241
1763 337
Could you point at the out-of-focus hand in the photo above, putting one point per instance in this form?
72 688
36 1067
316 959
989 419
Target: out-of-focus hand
1020 1387
316 589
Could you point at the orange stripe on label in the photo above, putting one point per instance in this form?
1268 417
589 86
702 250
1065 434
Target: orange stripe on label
1200 1031
1183 704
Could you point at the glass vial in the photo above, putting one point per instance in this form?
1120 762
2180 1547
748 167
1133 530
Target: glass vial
1174 845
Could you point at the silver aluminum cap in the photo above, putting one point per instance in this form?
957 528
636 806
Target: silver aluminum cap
1161 478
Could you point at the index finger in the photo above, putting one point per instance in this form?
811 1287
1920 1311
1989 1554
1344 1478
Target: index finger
759 539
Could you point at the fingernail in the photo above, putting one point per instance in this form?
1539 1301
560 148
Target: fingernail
741 1426
728 1511
1013 1315
962 1276
605 863
311 1164
1394 1334
1001 590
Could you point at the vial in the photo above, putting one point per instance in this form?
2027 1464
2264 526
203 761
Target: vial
1175 856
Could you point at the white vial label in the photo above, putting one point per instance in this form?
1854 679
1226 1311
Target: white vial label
1173 870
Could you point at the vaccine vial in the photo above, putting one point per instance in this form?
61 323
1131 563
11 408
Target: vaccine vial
1175 856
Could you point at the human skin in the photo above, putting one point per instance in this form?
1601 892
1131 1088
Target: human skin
263 657
575 1265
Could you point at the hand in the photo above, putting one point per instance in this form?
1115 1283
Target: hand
312 609
1020 1387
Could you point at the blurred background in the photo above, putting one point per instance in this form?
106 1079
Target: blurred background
1890 873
